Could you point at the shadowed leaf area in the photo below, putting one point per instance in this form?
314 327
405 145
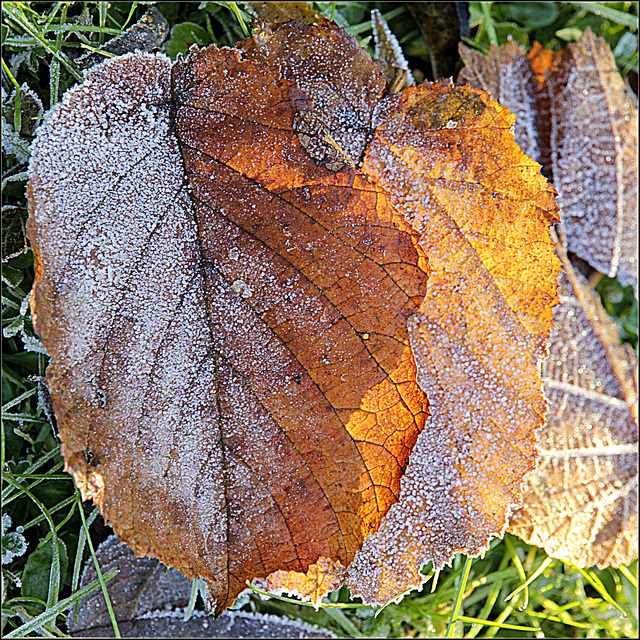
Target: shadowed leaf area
281 306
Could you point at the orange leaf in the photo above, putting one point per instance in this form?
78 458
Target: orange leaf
448 157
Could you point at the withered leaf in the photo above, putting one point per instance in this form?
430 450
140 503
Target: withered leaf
581 504
285 11
594 157
232 264
149 601
235 352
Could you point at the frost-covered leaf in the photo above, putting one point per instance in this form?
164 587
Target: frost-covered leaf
285 11
242 380
149 599
448 157
232 262
594 157
145 35
581 504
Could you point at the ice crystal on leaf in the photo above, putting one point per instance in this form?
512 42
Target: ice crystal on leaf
249 338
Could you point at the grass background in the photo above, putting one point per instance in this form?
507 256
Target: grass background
47 516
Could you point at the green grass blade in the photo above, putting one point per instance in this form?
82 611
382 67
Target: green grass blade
12 9
521 572
458 603
628 575
532 577
53 612
596 583
101 580
619 17
54 575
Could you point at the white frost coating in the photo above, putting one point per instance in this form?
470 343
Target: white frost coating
127 332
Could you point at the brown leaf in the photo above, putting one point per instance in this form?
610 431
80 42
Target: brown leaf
285 11
232 284
575 105
244 380
581 504
594 157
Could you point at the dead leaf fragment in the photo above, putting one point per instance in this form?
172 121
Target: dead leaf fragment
581 504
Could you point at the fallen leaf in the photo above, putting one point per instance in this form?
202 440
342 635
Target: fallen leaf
285 11
581 504
145 35
448 158
231 262
149 601
594 157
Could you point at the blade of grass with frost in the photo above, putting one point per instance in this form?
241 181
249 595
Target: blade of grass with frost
82 540
30 29
59 608
61 505
614 15
17 113
54 575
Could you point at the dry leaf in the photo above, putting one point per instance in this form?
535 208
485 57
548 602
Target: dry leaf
285 11
581 504
594 157
232 284
448 157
